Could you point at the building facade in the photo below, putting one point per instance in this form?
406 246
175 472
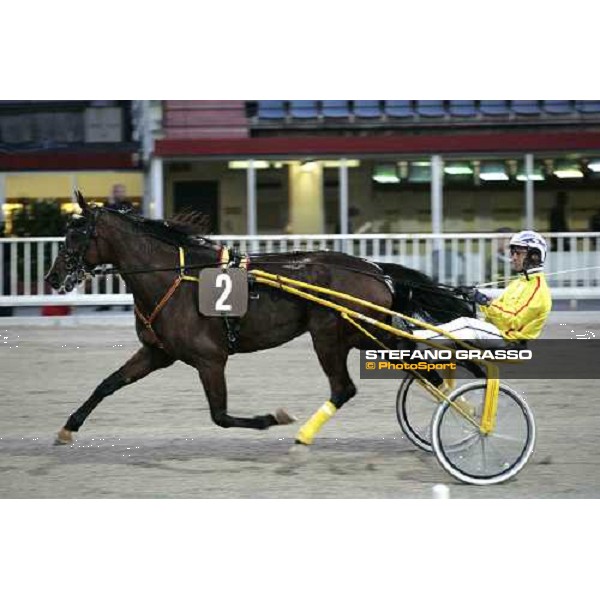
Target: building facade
374 166
313 166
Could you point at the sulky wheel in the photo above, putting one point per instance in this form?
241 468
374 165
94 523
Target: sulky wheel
483 458
415 405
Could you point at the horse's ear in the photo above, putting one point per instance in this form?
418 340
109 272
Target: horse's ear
83 205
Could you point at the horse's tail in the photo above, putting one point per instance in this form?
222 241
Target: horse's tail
416 294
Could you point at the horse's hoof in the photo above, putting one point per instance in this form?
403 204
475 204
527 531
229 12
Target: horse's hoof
63 437
283 417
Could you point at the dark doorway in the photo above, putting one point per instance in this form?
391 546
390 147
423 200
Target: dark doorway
198 195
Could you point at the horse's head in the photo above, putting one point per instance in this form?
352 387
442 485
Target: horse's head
79 253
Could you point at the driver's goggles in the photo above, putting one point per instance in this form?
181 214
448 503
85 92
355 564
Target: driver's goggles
517 250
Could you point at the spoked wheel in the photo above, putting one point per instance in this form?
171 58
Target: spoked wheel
483 458
415 405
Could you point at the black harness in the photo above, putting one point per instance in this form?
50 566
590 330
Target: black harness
77 268
233 324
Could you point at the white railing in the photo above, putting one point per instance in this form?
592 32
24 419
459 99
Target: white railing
456 259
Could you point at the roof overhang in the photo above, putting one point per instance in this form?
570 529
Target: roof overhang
68 161
490 142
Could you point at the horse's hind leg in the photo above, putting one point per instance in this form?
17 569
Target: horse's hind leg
333 357
212 375
146 360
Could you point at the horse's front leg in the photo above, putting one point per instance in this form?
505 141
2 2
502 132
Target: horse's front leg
332 350
212 375
145 361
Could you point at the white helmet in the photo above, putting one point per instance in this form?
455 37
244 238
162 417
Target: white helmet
531 239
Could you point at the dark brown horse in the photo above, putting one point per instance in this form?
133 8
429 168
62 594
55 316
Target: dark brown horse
147 255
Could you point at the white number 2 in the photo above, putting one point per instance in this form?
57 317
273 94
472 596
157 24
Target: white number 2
223 279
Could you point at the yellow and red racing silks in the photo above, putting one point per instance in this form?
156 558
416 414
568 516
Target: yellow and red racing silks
521 312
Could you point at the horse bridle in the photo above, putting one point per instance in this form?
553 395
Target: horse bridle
75 263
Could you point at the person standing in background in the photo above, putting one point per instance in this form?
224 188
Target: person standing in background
558 220
594 225
118 199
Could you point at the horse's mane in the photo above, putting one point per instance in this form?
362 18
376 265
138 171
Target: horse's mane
194 222
185 228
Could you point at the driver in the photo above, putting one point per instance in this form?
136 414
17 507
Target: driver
521 311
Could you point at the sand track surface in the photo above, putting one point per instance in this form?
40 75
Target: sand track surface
155 439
